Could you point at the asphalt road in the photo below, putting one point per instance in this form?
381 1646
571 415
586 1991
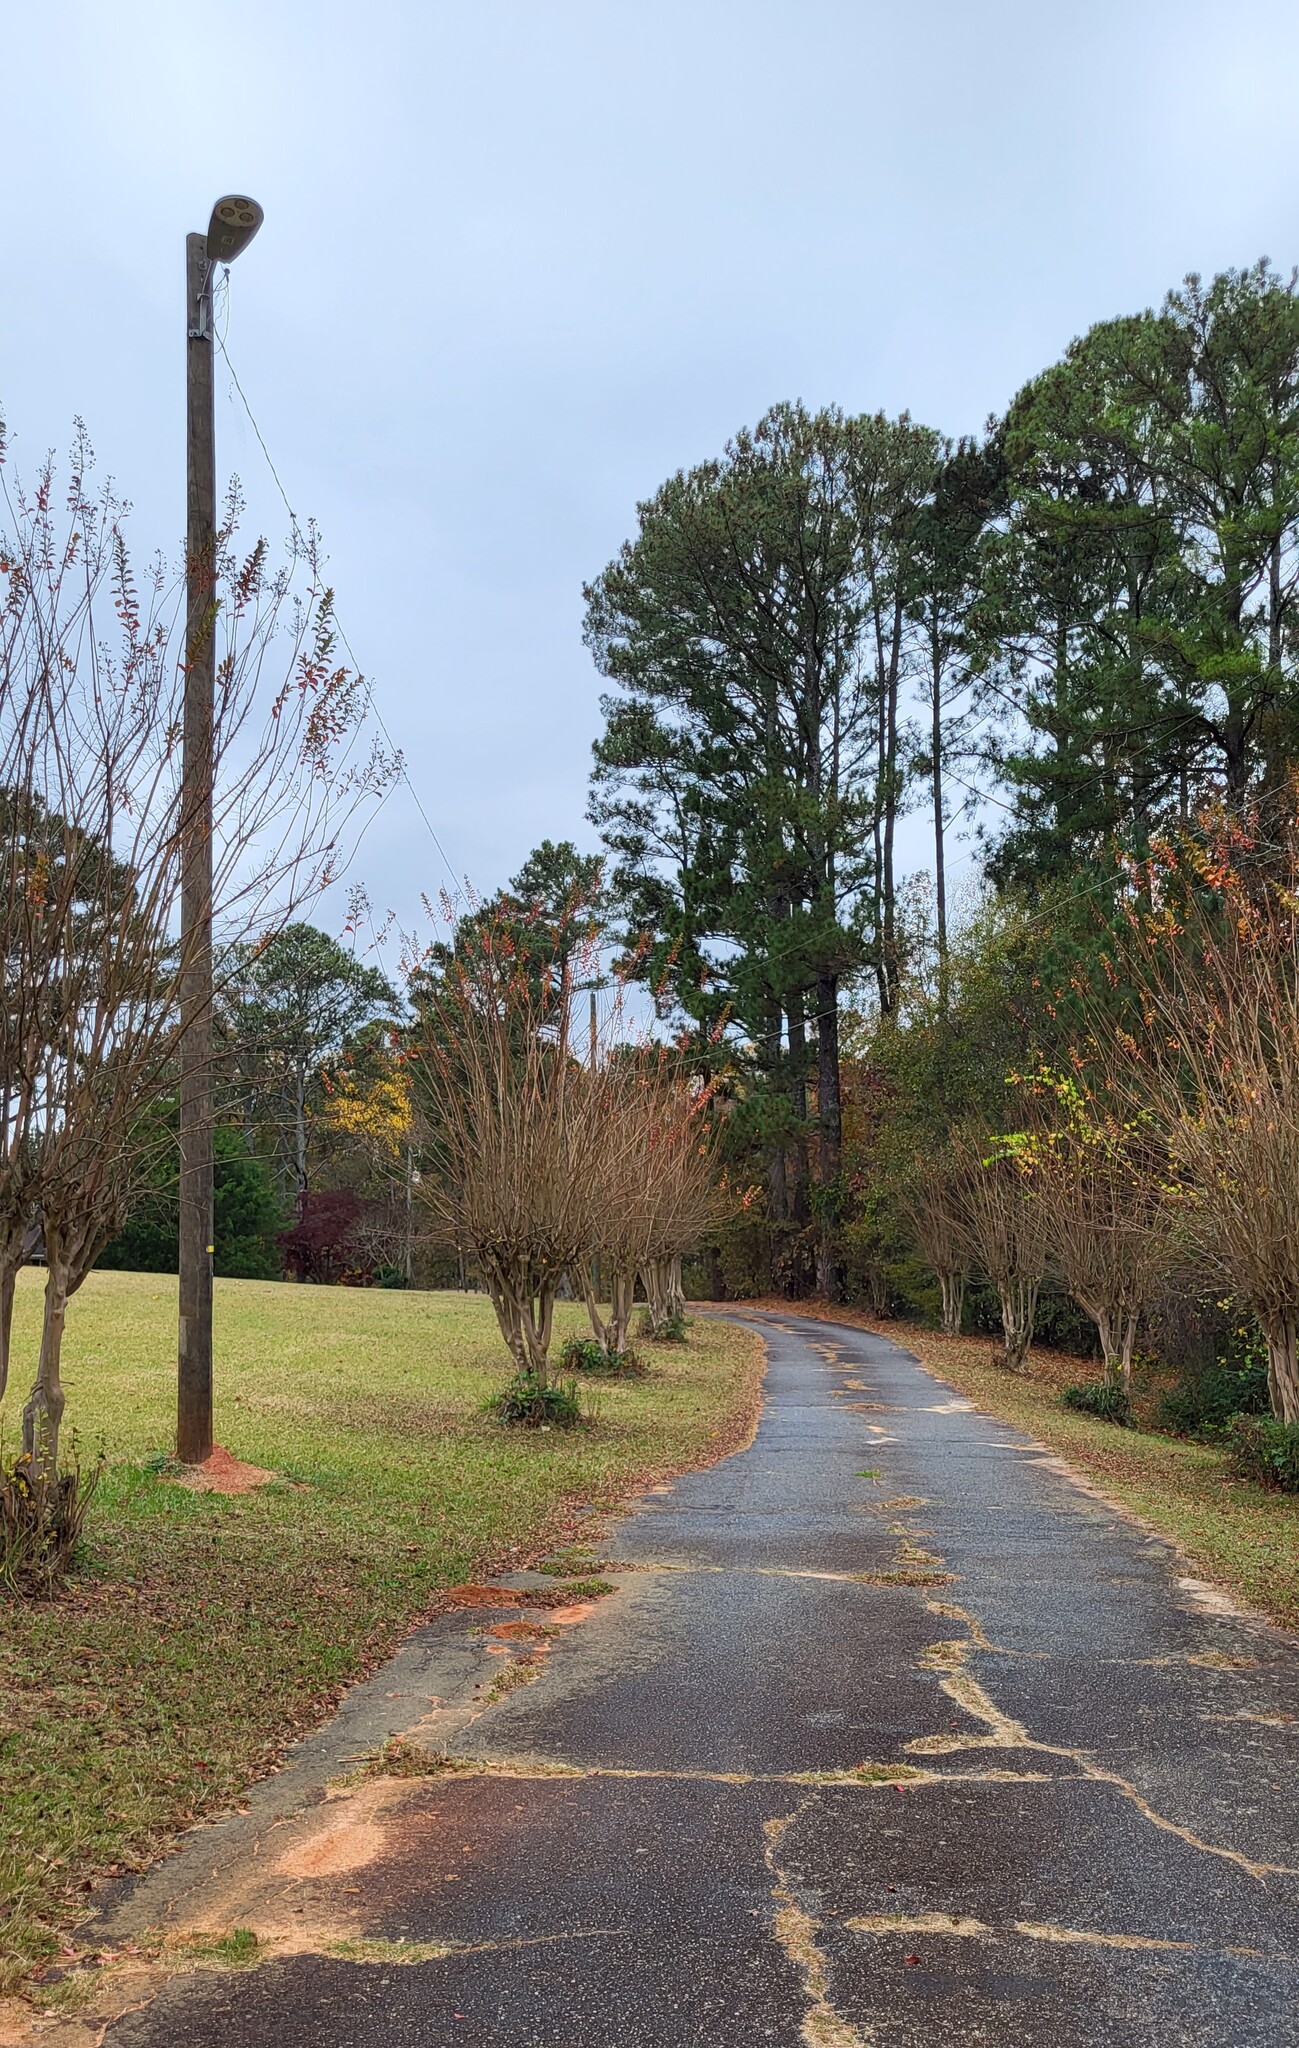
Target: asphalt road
890 1734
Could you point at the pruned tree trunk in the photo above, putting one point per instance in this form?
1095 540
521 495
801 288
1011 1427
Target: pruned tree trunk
599 1328
951 1284
524 1311
622 1291
656 1279
610 1335
1282 1334
1117 1329
1018 1299
43 1409
676 1289
8 1287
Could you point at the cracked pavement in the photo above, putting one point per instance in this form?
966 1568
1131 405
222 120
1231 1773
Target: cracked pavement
891 1733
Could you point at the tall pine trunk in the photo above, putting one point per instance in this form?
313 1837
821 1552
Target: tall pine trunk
830 1133
940 835
798 1193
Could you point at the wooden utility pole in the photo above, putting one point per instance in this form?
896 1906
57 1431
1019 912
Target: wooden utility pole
194 1378
594 1056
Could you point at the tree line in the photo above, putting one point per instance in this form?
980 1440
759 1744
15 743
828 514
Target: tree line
1078 624
1073 636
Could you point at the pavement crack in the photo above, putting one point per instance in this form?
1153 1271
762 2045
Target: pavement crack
798 1933
362 1950
538 1771
964 1927
1003 1732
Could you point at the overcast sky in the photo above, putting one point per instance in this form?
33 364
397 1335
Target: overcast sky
523 258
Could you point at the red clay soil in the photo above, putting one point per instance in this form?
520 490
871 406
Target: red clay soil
221 1473
483 1596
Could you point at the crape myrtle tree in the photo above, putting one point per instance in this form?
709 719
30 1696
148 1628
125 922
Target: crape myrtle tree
933 1210
1007 1226
509 1147
686 1198
535 1162
1212 1055
1101 1179
93 817
659 1185
752 768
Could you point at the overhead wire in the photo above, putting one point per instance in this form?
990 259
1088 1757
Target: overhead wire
457 883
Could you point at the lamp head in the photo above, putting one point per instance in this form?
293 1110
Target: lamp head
235 220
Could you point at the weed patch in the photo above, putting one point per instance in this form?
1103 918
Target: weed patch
399 1952
1107 1400
399 1758
583 1354
1265 1450
42 1517
537 1403
672 1330
234 1951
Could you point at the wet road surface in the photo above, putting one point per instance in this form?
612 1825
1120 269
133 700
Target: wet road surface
890 1734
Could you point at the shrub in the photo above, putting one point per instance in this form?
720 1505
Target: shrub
1265 1450
41 1520
1225 1379
583 1354
323 1245
1106 1399
671 1329
537 1403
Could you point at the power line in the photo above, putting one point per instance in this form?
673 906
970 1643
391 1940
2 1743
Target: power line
369 685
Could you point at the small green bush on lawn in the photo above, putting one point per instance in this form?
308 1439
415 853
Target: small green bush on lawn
537 1403
1106 1399
583 1354
1265 1450
672 1330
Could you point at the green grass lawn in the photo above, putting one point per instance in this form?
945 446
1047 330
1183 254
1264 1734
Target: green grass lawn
205 1631
1237 1535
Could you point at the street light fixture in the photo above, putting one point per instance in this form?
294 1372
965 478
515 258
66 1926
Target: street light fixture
235 220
